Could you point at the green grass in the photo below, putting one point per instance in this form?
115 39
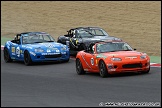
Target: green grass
155 59
4 40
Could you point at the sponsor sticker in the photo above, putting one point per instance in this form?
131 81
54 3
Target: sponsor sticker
13 49
49 53
101 56
131 57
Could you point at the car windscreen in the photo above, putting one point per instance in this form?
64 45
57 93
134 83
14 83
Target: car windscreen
98 32
85 34
113 47
37 38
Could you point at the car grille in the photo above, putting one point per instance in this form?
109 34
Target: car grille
137 65
53 56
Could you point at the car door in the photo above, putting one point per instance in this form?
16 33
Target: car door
17 50
73 38
90 61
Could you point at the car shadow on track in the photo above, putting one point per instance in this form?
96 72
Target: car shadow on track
41 63
127 74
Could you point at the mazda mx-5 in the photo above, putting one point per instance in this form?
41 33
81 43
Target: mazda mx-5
111 57
35 47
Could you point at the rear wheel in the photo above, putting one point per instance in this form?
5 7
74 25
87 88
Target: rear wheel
27 58
79 67
103 69
7 57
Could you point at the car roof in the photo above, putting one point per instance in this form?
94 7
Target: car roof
87 28
30 33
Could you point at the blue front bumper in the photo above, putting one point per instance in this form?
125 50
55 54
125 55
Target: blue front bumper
38 57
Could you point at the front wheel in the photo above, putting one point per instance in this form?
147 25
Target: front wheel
103 69
27 58
147 71
7 57
67 60
79 67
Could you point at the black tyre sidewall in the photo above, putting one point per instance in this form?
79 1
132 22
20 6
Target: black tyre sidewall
7 57
103 69
80 70
147 71
67 60
27 58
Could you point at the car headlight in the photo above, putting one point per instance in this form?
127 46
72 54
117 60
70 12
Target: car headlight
38 50
63 48
116 59
143 57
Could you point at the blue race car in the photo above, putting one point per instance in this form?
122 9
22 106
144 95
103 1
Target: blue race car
35 47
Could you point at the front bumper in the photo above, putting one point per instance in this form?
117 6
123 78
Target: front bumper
122 67
38 57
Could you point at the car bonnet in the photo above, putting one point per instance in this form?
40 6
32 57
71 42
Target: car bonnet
46 45
120 54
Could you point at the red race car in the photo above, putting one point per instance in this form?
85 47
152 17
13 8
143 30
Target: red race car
111 57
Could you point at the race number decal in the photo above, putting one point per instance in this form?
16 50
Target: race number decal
92 61
18 51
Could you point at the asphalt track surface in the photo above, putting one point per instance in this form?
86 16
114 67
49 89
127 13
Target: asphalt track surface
58 85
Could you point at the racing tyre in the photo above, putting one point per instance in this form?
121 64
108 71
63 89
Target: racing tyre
147 71
67 60
27 58
103 69
7 57
79 67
